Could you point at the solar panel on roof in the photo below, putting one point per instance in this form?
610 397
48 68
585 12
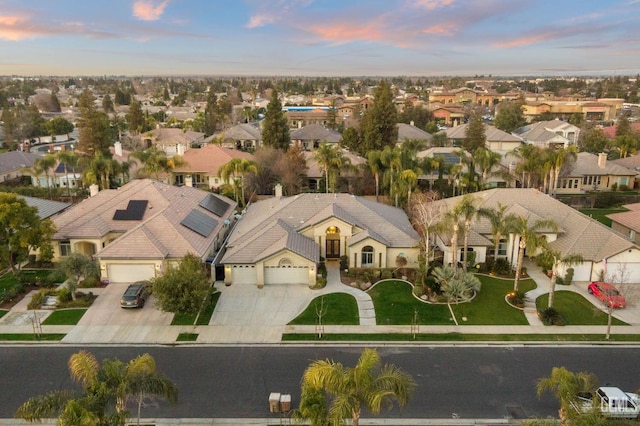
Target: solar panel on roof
135 211
199 222
215 205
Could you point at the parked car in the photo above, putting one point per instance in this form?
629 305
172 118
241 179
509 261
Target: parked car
608 294
136 295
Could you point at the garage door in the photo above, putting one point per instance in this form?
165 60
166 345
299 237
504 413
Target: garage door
241 274
286 275
124 273
630 270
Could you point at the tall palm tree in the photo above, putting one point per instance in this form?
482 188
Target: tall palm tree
374 162
235 170
486 160
530 237
450 225
392 161
558 260
499 220
562 157
325 156
408 179
44 165
69 160
369 384
528 166
155 161
465 210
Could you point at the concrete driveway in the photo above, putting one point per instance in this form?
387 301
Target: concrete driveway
106 310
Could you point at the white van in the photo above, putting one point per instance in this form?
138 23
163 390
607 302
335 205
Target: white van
612 402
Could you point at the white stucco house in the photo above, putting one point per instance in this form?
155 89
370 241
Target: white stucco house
604 250
281 240
141 228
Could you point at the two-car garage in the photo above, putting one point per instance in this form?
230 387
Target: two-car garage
130 272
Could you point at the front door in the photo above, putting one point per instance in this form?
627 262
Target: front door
333 249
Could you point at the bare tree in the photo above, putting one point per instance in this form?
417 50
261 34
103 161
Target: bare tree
619 279
426 214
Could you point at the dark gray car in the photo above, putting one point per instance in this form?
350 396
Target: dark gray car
136 295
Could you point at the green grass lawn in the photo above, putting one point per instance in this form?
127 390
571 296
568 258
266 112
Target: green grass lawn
460 337
3 312
187 337
575 309
340 309
395 305
64 317
599 214
31 337
205 313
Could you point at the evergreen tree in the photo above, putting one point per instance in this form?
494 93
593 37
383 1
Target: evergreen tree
475 136
509 117
135 118
94 127
211 114
10 127
54 103
107 104
379 123
275 131
623 126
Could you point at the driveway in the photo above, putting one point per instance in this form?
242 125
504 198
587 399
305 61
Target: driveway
106 310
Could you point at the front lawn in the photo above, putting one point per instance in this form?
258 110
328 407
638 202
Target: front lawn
205 313
600 214
340 309
64 317
13 287
395 305
575 309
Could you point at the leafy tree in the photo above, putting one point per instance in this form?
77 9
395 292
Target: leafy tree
593 140
350 139
379 123
510 116
21 231
565 386
75 267
182 289
626 145
135 118
418 116
59 126
236 169
105 389
529 238
275 130
623 126
94 127
267 160
10 127
474 135
107 104
291 169
369 384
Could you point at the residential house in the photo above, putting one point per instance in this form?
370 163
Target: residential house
604 250
610 131
315 173
631 163
451 115
549 133
496 139
140 229
281 240
411 132
244 136
310 137
627 223
299 117
592 172
201 166
172 141
46 208
15 164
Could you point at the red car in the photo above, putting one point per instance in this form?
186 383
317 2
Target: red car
608 294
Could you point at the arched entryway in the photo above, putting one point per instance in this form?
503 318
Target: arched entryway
332 248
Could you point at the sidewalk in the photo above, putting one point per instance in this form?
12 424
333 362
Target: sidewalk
247 315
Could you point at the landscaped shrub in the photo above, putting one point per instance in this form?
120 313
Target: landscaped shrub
386 274
321 282
418 290
568 277
64 295
501 267
559 280
37 300
90 282
432 284
516 299
322 269
605 200
551 316
344 262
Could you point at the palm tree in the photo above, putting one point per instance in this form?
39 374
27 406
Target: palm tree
450 225
369 384
562 157
374 162
325 156
466 211
69 160
486 160
236 169
529 237
392 161
566 385
44 165
313 406
155 161
528 164
556 261
408 179
499 220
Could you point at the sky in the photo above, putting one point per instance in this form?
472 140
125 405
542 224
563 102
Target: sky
319 37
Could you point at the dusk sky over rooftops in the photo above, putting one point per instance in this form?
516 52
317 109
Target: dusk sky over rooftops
320 37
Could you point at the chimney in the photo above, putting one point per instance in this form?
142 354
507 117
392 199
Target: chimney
278 190
117 147
602 160
180 149
188 180
93 190
412 123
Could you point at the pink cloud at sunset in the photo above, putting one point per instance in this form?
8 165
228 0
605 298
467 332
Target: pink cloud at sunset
431 4
346 32
16 28
146 10
444 29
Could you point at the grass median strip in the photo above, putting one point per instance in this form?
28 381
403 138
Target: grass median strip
459 337
26 337
205 313
187 337
337 308
64 317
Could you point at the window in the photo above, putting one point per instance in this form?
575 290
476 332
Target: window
367 256
502 247
65 248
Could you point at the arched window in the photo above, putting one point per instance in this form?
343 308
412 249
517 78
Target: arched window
285 263
367 256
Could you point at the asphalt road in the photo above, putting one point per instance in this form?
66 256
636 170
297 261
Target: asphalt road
233 382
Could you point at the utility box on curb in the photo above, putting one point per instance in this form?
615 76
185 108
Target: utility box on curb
274 402
285 403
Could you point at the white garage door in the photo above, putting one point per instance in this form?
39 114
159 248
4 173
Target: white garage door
124 273
243 274
630 270
286 275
